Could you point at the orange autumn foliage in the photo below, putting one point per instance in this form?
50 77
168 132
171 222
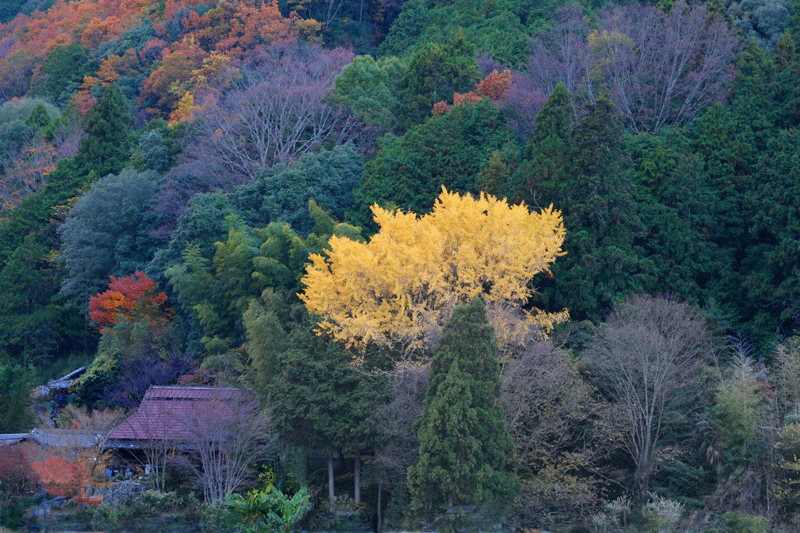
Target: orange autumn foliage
61 471
250 26
66 23
440 108
228 31
59 476
231 28
169 82
495 87
130 298
28 40
101 30
466 98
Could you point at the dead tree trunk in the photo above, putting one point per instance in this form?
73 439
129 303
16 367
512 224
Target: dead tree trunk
330 479
357 476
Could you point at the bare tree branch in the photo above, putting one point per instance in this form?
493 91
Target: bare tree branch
647 357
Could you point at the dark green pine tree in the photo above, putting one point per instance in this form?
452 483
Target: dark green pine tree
787 67
15 413
678 209
602 263
317 400
63 72
465 450
108 146
29 325
727 142
772 273
546 156
39 117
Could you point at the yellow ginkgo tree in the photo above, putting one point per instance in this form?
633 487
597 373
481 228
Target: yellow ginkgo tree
398 289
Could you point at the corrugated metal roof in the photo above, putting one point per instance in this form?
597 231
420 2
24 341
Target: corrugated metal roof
63 438
67 438
7 439
64 382
181 414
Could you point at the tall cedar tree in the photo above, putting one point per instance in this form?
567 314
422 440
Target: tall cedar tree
108 145
546 156
601 216
15 414
465 450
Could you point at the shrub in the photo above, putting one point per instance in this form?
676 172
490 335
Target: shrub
738 522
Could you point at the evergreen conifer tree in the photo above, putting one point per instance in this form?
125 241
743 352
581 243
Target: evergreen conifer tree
601 216
15 414
465 449
108 145
546 158
434 74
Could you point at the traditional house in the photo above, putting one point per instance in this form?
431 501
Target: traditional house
55 395
192 426
62 384
179 416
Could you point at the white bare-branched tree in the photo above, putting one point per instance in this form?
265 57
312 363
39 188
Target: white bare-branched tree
560 54
548 409
230 436
657 68
647 358
281 107
540 385
661 68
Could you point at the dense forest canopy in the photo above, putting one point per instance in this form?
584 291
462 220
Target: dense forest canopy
255 193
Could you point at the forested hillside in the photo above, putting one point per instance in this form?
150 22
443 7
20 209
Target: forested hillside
321 199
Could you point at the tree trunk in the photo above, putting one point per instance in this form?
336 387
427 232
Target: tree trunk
380 517
357 476
330 479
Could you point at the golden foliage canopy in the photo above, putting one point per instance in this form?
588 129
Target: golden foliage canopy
398 289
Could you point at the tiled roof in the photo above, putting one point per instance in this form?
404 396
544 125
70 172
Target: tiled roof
67 438
181 414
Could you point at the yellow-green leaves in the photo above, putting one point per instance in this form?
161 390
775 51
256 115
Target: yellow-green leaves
398 289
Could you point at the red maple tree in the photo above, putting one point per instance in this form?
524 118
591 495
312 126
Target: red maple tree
60 477
130 298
